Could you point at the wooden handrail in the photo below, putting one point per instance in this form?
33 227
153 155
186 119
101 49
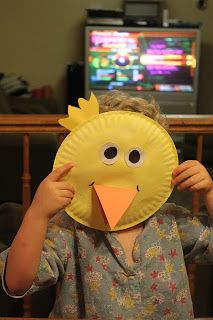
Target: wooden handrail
30 123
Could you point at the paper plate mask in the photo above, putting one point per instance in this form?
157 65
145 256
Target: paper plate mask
123 162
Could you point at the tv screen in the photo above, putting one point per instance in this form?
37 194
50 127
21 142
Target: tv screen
155 60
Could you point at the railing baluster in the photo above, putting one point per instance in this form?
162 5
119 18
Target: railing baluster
199 152
26 177
26 199
195 209
61 138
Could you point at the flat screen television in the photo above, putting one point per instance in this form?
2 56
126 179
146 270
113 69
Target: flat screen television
158 62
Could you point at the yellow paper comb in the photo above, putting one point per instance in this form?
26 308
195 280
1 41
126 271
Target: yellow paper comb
87 109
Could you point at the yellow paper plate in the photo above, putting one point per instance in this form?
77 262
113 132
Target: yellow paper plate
131 134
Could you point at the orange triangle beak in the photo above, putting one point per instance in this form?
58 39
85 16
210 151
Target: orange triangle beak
114 201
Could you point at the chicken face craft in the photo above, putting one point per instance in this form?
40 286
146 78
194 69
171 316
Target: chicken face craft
123 162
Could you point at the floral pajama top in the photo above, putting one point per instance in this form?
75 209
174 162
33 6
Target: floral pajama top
95 281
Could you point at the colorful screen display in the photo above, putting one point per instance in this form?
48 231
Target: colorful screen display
161 61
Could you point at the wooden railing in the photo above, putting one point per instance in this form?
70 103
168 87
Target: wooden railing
26 124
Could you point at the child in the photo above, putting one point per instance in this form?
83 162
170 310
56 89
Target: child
137 273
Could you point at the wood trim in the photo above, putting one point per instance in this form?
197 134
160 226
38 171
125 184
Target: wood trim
49 123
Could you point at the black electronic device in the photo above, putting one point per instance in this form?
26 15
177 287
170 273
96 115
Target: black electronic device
141 12
104 17
75 83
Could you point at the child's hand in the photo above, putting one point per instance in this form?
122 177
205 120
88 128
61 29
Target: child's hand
192 175
52 194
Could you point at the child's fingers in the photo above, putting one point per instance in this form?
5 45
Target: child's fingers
190 172
184 166
64 185
200 186
67 194
60 172
191 175
66 201
190 182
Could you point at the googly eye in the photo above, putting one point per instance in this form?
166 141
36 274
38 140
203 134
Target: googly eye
134 157
109 153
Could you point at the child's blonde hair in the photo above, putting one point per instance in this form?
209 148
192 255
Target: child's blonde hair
117 100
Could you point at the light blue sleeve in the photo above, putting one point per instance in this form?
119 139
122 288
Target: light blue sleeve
56 249
196 234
